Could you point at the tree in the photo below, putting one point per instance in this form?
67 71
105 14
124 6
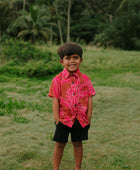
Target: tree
68 21
31 25
127 25
105 8
62 9
24 3
50 13
109 22
85 23
59 22
124 31
7 15
55 8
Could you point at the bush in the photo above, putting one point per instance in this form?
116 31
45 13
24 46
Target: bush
23 51
41 69
24 59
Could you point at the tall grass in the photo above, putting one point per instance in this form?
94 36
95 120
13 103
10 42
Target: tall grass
26 120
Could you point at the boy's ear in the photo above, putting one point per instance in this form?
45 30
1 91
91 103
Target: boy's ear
61 61
81 59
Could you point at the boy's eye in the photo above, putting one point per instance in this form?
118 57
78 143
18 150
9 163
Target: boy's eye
75 57
67 57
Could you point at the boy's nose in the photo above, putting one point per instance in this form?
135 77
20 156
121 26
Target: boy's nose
71 59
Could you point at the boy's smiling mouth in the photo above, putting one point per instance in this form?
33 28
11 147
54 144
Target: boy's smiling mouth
72 65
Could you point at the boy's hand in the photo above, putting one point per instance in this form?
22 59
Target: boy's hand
89 119
89 112
56 121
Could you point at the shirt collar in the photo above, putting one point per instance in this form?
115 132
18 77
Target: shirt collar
66 74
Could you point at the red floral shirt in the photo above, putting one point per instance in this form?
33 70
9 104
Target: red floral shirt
73 91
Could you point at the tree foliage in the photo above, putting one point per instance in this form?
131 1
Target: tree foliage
124 31
7 14
109 22
32 24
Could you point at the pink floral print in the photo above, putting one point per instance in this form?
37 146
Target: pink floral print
73 91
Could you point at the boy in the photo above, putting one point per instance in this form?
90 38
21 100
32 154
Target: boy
72 93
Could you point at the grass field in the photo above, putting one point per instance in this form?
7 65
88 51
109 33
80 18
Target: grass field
26 120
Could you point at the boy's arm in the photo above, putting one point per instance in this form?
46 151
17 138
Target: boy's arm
90 107
56 109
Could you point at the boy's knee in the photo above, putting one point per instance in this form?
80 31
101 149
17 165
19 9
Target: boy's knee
60 145
77 144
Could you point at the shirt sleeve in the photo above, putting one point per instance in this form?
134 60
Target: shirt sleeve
91 90
55 88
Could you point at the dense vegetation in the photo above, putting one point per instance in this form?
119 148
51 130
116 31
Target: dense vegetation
104 23
23 59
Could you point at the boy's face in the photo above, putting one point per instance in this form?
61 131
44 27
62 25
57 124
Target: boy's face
71 63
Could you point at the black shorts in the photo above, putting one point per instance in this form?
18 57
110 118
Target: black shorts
78 133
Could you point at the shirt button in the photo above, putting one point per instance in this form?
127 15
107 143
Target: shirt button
73 93
75 105
73 82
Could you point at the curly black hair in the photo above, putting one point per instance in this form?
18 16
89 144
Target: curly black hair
68 49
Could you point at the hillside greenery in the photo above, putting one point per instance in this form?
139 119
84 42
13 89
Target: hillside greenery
24 59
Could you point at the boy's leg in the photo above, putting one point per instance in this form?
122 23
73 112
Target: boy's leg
78 154
78 134
61 138
57 155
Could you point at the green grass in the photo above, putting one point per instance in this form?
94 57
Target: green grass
26 120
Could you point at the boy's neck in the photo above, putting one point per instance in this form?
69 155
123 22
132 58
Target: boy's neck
72 71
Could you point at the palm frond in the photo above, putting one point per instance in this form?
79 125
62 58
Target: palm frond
23 33
44 34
